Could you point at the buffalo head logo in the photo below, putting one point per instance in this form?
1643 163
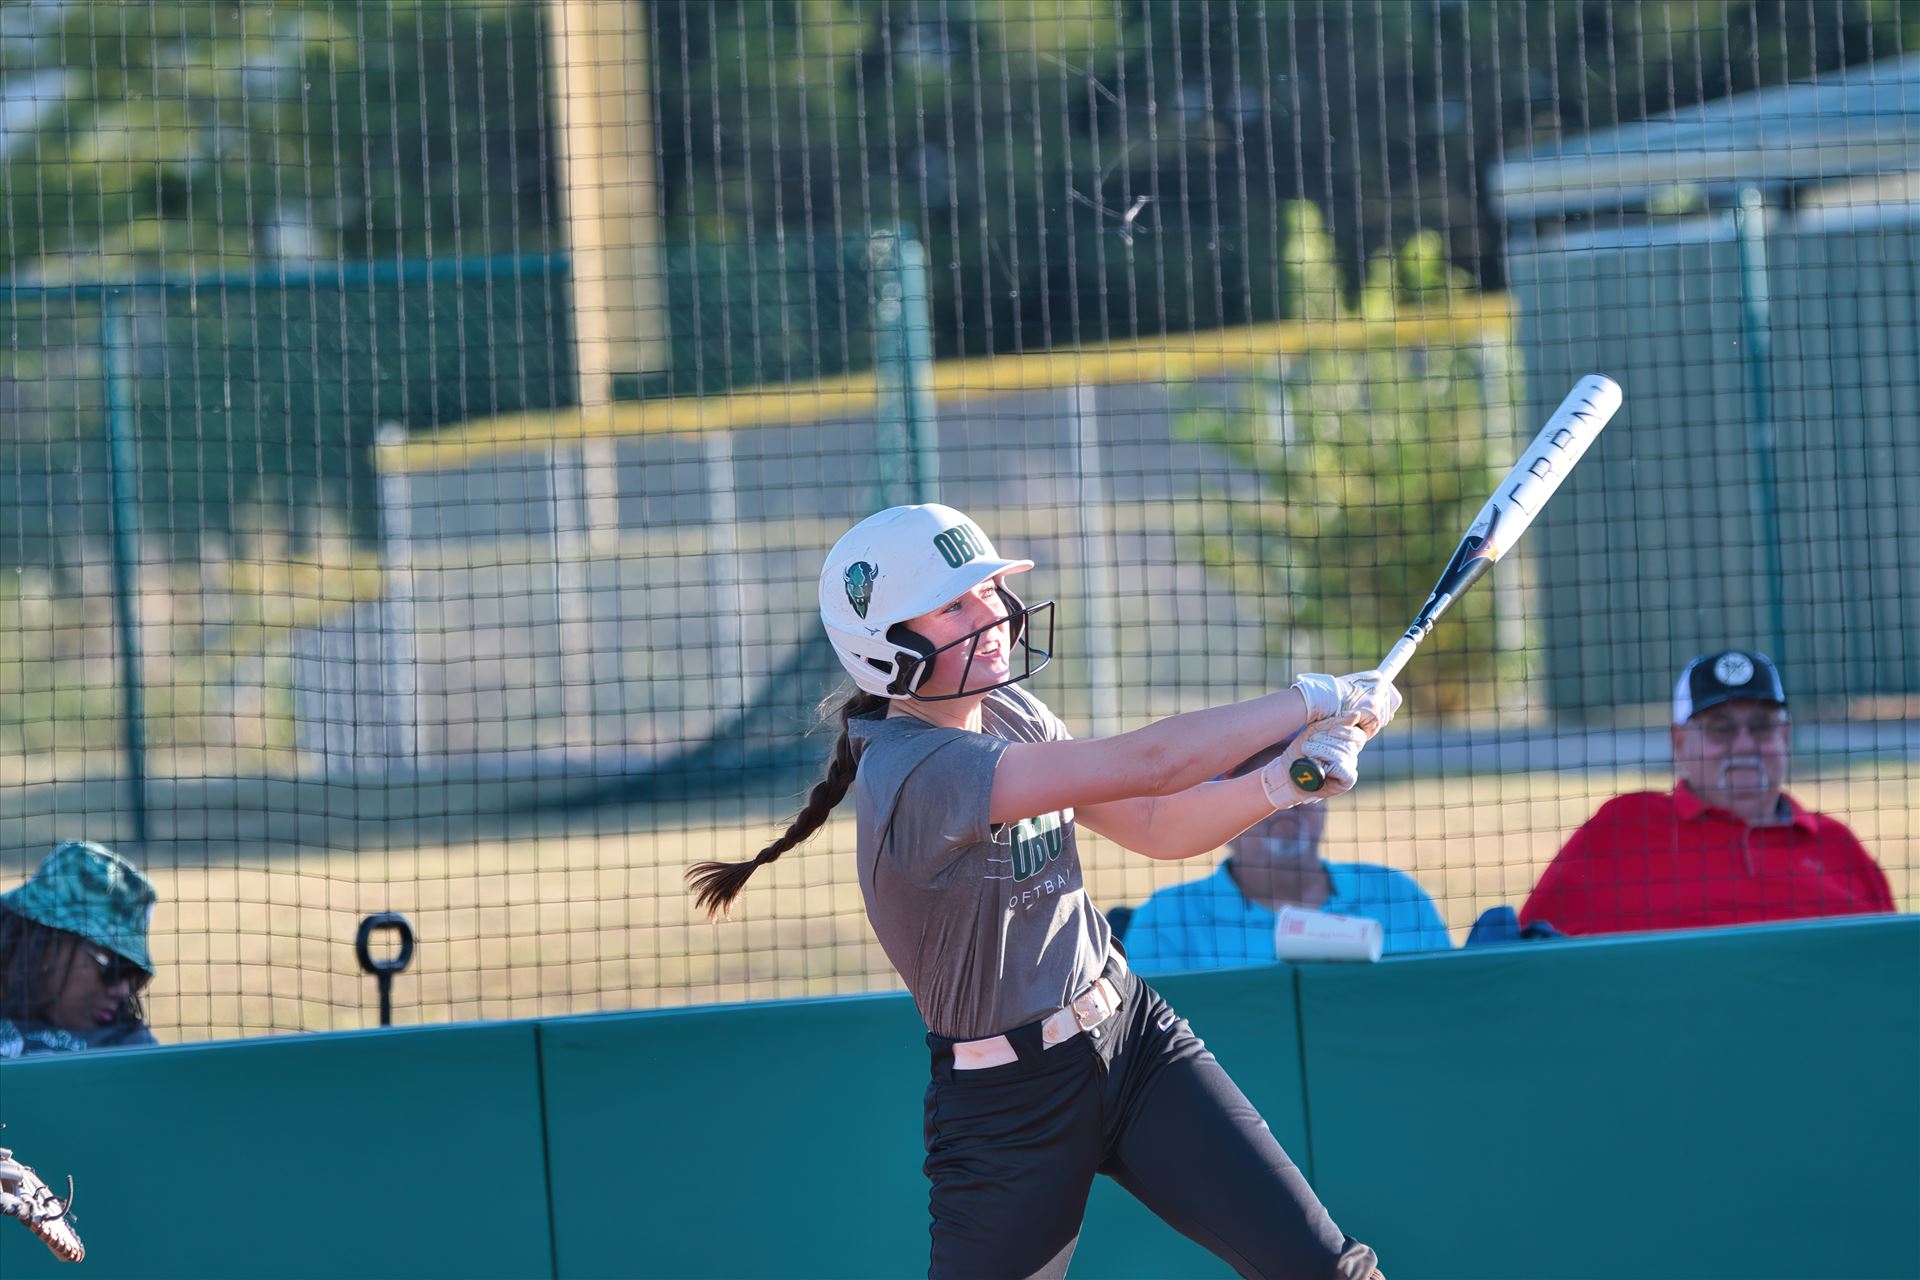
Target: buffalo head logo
860 577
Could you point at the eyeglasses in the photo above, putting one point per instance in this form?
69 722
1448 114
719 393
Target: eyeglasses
1724 731
116 969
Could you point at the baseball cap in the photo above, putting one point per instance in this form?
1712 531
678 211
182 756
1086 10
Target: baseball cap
90 890
1721 677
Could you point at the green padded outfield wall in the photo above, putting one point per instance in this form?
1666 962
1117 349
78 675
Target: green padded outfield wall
1734 1104
362 1154
784 1139
1743 1104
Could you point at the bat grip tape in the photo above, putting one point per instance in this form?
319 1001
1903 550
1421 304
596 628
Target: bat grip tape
1309 774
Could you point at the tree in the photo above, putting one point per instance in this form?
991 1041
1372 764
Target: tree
259 141
1092 169
1367 464
191 137
1079 170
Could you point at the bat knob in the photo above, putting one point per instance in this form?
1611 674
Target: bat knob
1307 774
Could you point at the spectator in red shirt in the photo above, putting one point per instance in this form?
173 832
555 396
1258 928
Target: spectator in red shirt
1727 845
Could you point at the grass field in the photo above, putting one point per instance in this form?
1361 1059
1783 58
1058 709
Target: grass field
598 920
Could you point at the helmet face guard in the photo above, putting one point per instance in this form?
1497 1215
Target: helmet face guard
1021 617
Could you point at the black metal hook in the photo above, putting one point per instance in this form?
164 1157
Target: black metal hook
383 970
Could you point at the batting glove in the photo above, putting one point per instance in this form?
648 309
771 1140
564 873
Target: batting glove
1363 697
1335 747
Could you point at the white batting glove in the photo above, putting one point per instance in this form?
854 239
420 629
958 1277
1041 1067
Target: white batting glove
1363 697
1334 746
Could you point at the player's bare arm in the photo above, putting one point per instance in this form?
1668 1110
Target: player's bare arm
1201 819
1174 755
1169 828
1161 759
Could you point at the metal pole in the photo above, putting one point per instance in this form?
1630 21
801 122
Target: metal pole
123 469
1096 568
1750 226
726 598
399 678
572 609
916 340
906 428
1510 587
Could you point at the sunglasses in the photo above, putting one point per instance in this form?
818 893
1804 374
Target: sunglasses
115 969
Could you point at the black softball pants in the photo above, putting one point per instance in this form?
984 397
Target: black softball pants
1012 1150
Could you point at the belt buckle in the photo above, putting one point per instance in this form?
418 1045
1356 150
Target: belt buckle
1090 1008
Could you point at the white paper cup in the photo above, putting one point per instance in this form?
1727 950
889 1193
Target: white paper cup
1317 935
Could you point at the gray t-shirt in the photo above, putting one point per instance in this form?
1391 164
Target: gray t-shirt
989 924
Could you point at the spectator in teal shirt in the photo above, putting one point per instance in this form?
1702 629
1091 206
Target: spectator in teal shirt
1229 917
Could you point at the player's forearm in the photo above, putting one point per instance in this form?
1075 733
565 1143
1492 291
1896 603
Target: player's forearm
1162 759
1173 755
1186 825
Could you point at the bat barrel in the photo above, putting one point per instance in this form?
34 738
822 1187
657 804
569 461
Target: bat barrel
1547 462
1534 477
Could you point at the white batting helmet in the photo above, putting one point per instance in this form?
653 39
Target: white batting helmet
896 565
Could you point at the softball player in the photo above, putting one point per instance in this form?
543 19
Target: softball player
1051 1060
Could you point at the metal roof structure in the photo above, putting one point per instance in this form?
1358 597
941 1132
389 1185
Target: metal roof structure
1859 122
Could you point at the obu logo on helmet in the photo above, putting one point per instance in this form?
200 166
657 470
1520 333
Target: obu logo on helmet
860 577
959 544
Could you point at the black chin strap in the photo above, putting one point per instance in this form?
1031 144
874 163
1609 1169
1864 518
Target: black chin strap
911 665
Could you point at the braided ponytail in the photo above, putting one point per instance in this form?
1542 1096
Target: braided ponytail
716 884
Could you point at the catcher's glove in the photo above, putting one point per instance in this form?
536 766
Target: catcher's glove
24 1196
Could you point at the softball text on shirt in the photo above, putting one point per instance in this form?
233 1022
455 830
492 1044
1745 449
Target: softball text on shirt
1034 846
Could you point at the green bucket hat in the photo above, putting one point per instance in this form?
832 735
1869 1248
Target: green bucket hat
90 890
